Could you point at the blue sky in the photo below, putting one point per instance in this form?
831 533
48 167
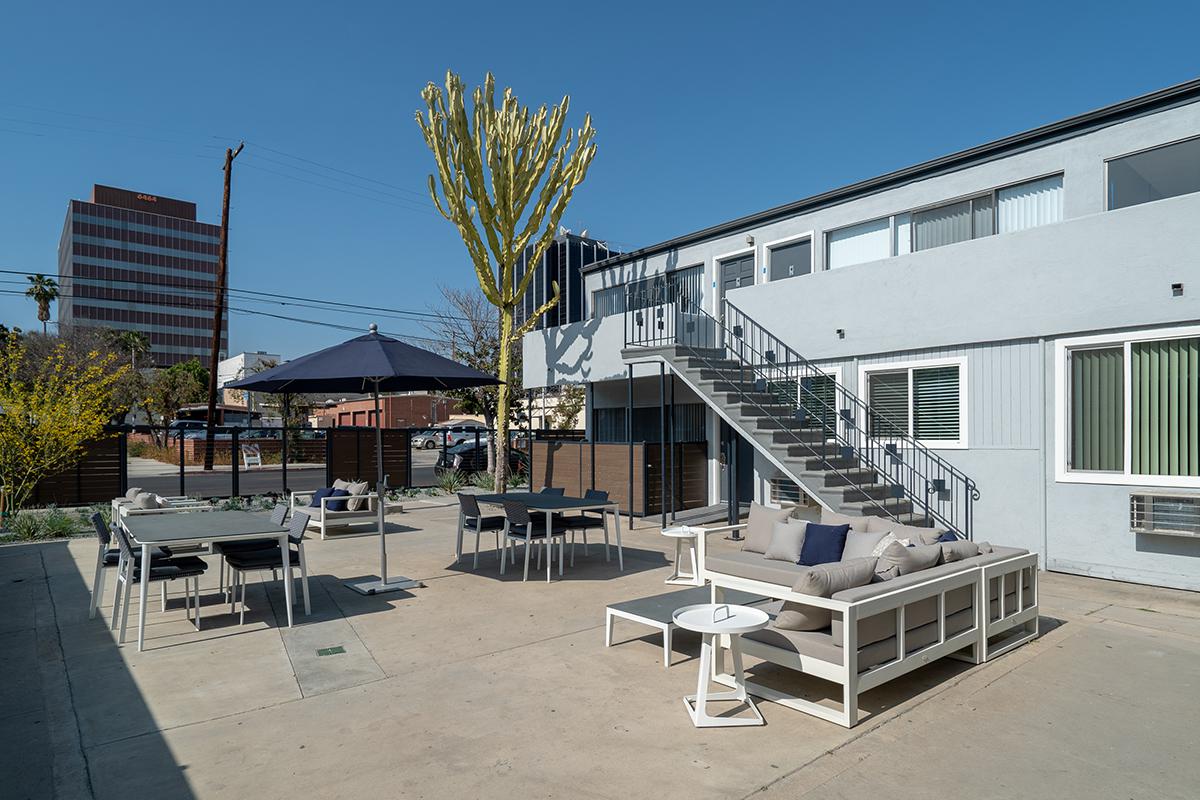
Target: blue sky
701 115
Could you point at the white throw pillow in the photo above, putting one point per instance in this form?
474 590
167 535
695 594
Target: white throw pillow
883 543
861 545
145 500
133 492
787 540
340 484
356 502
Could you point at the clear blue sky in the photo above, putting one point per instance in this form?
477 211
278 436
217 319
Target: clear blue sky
701 115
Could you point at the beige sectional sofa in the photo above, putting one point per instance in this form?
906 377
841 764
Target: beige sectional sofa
971 608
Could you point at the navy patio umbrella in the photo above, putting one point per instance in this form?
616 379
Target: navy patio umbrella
372 363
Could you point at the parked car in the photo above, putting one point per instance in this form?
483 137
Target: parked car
468 458
432 438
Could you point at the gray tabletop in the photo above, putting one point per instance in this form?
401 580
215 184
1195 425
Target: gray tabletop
544 502
200 526
660 607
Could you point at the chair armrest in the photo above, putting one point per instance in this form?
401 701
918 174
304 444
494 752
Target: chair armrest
722 529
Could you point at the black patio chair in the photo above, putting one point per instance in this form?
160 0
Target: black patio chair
130 571
270 558
471 518
109 557
516 515
278 515
588 520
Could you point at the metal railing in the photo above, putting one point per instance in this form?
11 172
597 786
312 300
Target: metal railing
809 411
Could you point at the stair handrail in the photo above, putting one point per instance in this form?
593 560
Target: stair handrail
899 449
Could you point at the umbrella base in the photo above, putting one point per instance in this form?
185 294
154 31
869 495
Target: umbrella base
380 587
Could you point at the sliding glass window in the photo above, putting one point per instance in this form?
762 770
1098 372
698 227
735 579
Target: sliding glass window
1167 171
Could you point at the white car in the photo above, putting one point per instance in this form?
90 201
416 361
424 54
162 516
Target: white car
433 438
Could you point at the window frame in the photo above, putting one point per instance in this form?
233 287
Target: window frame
1108 162
963 440
1062 348
775 244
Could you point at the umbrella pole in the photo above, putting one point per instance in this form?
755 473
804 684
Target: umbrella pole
383 584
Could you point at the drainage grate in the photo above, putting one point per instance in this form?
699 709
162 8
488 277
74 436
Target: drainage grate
331 651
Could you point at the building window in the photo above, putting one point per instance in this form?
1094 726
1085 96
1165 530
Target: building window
925 400
609 301
1167 171
960 221
857 244
648 292
1130 409
1029 204
790 260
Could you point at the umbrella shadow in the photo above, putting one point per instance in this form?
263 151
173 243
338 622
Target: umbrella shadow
590 567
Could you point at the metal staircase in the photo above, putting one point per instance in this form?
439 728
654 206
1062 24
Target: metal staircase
841 452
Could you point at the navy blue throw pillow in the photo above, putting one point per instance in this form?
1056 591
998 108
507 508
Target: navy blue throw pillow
337 505
823 544
318 496
947 537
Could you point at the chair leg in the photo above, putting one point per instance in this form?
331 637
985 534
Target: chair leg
196 589
573 549
221 576
527 545
97 586
475 563
242 579
164 595
118 583
233 575
125 604
584 543
539 557
304 579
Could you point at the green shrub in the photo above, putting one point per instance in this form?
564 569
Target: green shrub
58 524
484 480
25 526
451 481
517 480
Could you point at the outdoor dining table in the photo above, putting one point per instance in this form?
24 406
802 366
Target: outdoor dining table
551 504
203 527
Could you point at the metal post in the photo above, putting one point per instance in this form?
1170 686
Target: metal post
591 423
380 487
287 400
629 437
179 437
671 444
235 487
123 461
662 441
328 456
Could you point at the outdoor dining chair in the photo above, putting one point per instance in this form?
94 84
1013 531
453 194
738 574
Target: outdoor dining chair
278 515
552 490
516 515
270 558
585 521
471 518
130 571
108 557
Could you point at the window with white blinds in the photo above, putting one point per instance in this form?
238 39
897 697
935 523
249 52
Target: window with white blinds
856 244
1030 204
923 399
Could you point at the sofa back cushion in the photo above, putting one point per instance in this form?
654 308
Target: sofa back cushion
822 581
787 541
145 500
897 559
915 534
761 526
958 550
857 524
823 544
861 545
356 502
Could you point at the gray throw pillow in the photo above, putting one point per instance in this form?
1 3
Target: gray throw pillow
911 532
985 547
761 526
356 502
340 484
787 540
957 551
860 545
857 524
823 580
145 500
133 492
908 559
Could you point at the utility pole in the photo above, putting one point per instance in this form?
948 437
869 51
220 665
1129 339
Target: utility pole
219 310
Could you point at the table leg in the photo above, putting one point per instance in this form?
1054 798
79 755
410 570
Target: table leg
620 552
287 576
143 593
549 547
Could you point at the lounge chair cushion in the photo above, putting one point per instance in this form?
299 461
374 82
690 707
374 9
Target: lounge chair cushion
912 532
356 501
178 567
861 545
822 581
761 526
266 558
752 566
958 550
907 559
823 544
787 541
337 505
340 484
318 496
857 524
133 492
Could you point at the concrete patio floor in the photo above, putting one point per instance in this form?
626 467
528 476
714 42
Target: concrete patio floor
481 686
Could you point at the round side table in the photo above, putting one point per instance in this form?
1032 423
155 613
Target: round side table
713 619
684 537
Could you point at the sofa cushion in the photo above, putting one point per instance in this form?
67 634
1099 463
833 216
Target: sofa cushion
957 550
908 559
822 581
811 644
133 492
144 500
761 525
861 545
787 541
340 484
878 627
337 505
875 589
887 539
318 496
752 566
912 532
823 544
356 502
857 524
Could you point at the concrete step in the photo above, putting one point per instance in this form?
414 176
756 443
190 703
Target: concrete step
841 477
786 423
718 363
809 436
768 407
807 462
855 493
878 508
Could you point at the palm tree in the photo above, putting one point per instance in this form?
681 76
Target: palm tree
44 291
135 343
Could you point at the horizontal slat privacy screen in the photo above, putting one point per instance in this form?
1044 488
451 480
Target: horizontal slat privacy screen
1098 409
936 403
1028 205
888 400
1165 439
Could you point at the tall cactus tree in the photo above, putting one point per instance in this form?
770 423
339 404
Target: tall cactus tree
504 178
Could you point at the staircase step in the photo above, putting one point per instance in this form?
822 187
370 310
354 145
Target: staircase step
858 492
844 477
784 424
734 398
764 408
878 508
722 364
807 462
793 436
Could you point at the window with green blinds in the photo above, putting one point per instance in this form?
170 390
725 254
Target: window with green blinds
1165 413
819 398
1098 409
936 403
887 394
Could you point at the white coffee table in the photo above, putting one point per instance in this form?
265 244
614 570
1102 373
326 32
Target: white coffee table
684 537
711 619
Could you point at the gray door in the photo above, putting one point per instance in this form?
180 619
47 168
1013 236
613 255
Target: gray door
735 273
